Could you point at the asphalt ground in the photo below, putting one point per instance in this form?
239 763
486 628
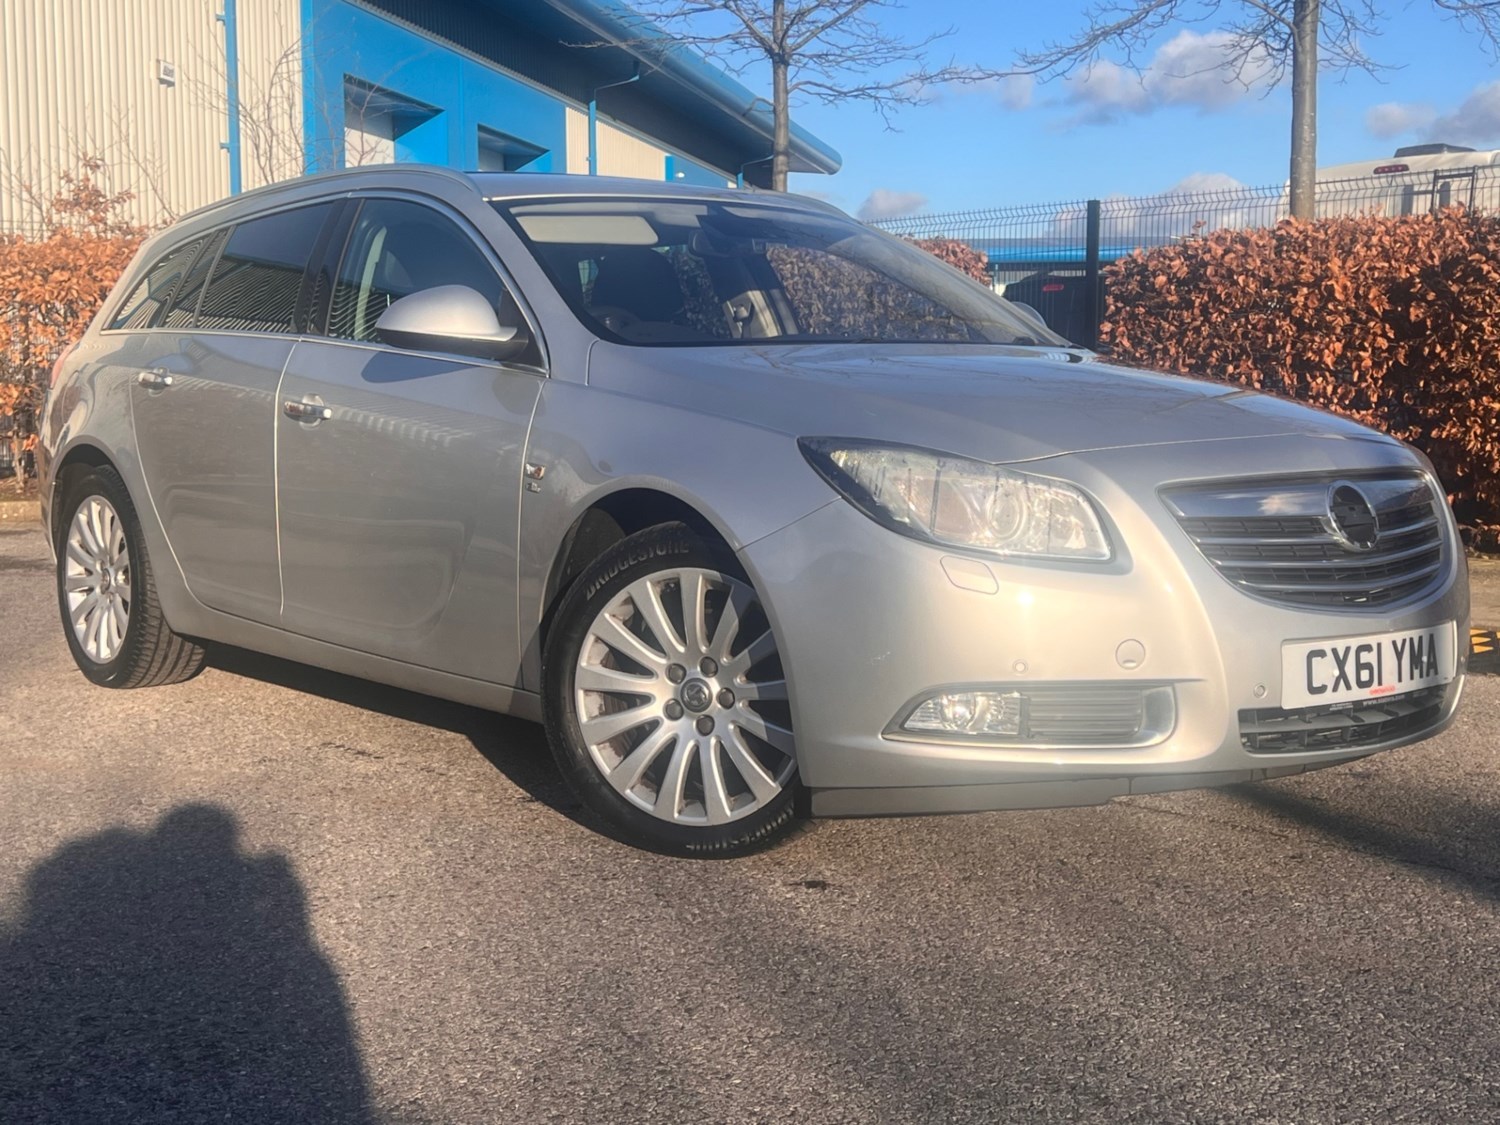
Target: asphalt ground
278 895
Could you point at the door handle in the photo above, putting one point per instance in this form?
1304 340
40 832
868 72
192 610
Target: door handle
305 411
156 379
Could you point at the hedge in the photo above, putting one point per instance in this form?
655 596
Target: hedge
51 287
1394 322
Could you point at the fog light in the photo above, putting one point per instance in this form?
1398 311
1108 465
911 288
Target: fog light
969 712
1075 714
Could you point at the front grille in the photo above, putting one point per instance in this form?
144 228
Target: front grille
1271 730
1279 540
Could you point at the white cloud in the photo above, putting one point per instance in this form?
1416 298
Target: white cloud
1475 122
1204 181
1013 91
1391 119
882 203
1188 70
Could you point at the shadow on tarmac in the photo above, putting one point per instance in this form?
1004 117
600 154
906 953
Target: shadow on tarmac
516 748
1478 869
167 975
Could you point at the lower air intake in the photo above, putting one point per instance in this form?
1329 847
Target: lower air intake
1272 730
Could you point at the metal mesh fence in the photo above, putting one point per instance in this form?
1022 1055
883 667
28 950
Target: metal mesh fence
1049 255
1058 231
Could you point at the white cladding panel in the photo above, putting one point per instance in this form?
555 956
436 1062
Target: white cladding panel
624 154
271 144
620 153
577 125
84 78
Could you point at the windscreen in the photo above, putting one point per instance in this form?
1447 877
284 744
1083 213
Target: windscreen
684 272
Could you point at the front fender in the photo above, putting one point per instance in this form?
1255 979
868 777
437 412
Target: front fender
745 480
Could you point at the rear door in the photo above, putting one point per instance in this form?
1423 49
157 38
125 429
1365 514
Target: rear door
204 404
399 471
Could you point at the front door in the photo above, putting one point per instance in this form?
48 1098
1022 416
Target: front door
400 472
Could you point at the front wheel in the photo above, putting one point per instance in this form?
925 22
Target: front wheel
666 701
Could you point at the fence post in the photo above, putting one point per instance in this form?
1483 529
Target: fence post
1093 302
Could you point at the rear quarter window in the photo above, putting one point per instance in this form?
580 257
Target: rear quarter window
184 306
142 308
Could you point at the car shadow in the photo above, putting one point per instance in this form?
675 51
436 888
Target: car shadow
1462 851
168 975
514 747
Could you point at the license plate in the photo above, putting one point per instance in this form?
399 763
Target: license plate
1345 669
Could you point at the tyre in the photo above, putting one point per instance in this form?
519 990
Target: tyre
665 699
105 591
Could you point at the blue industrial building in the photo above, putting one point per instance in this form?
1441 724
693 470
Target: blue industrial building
537 85
211 97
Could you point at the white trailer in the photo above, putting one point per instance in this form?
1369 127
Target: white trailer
1417 179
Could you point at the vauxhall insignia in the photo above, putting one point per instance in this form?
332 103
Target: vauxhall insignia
1352 517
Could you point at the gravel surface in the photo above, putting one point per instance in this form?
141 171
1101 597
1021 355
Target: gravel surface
278 895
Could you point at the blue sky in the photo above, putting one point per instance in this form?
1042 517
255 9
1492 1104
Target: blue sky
1109 134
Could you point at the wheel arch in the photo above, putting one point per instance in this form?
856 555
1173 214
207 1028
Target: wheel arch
609 519
82 455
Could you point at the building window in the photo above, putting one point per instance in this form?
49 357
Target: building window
500 152
382 127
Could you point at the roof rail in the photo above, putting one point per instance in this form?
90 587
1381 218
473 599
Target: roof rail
333 177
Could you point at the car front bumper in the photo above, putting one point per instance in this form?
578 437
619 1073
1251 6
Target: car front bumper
868 621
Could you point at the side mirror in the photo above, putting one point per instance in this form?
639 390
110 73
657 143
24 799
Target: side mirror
1028 311
451 318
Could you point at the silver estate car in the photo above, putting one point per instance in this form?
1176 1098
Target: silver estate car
757 509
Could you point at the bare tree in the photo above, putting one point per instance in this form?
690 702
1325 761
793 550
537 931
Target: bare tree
271 116
115 161
830 51
1265 40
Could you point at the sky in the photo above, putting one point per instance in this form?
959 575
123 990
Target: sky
1110 132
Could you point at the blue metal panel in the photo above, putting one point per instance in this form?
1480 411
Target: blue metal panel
681 170
351 42
499 102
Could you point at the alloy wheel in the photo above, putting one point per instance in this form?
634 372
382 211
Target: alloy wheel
97 579
682 698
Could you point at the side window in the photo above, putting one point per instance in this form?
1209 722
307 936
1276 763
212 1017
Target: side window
185 304
396 248
148 298
258 276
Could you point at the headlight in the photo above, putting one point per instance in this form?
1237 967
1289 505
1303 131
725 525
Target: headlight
956 502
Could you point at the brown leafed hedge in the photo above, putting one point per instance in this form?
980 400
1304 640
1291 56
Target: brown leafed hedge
1394 322
960 255
51 287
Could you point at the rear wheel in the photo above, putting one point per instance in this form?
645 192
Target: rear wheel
666 701
106 593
